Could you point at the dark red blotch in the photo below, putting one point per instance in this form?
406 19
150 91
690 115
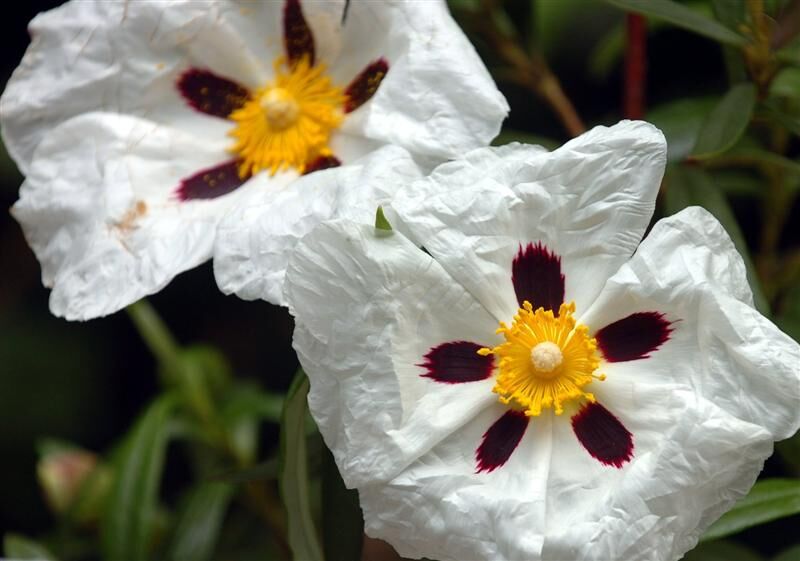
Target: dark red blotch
298 40
364 86
211 94
603 435
500 441
457 362
322 162
212 182
536 274
633 337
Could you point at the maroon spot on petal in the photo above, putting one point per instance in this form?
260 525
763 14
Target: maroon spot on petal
364 86
500 441
537 278
457 362
633 337
211 94
603 435
212 182
322 162
297 36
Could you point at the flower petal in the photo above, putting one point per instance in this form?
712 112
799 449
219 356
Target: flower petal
457 362
720 346
254 243
100 211
603 435
437 98
368 308
633 337
588 202
440 508
703 408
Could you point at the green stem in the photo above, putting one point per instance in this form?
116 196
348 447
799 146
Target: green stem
154 331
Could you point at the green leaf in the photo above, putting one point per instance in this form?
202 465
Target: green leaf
342 520
131 509
727 122
786 83
769 500
681 16
687 186
791 554
248 400
680 121
200 521
722 551
16 546
302 537
381 223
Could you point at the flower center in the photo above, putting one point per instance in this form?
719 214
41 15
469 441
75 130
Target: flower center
546 357
280 108
288 122
546 360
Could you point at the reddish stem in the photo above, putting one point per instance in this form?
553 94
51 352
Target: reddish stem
635 66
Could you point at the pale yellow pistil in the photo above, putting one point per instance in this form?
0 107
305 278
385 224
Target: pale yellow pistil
280 108
545 361
287 123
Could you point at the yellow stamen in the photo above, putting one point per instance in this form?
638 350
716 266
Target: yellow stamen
287 123
545 360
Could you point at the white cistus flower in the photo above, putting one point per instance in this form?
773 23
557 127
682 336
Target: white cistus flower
139 125
522 378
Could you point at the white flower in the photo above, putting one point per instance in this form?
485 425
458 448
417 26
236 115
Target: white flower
138 125
625 403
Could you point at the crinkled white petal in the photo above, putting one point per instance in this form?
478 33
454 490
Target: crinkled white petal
721 347
125 57
588 201
99 210
368 308
438 98
254 242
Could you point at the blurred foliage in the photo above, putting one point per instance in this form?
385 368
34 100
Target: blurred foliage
206 451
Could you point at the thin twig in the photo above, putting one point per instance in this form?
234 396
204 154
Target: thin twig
530 71
635 66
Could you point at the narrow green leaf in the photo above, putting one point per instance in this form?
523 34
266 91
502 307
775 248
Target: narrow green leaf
687 186
16 546
303 538
681 16
200 521
131 509
342 520
727 122
722 551
769 500
248 400
381 223
791 554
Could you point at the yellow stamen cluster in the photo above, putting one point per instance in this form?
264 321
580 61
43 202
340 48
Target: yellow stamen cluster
287 123
545 360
